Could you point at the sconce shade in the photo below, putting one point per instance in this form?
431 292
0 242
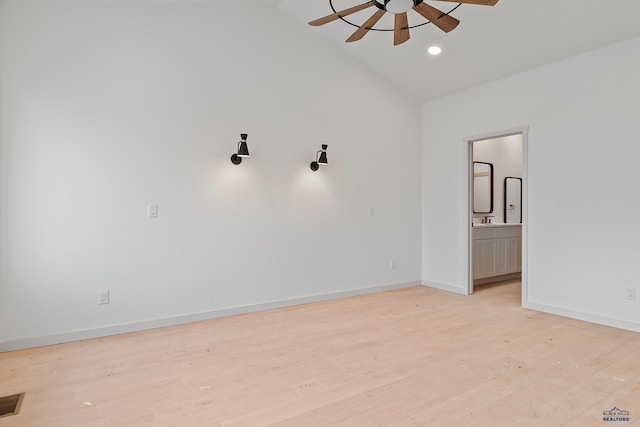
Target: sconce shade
321 159
243 150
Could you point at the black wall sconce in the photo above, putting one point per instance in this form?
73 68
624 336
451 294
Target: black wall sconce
243 150
321 158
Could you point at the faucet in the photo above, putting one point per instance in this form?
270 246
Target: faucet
487 219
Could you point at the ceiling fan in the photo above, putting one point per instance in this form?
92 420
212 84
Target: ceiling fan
400 8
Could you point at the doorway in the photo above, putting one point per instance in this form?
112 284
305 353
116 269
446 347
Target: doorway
496 231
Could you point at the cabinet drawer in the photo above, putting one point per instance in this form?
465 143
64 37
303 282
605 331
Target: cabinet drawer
509 232
484 233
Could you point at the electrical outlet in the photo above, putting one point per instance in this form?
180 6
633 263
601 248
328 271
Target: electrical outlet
103 296
630 293
392 265
372 212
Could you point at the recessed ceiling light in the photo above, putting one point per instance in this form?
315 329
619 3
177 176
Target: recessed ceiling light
434 50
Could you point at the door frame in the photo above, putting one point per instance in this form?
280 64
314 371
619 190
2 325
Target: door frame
468 203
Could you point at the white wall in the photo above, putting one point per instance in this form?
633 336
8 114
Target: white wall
506 156
108 107
582 166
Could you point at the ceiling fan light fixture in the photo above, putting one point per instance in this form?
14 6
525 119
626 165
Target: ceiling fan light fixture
398 6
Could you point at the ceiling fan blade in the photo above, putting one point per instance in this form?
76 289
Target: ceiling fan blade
340 14
438 18
364 28
401 29
478 2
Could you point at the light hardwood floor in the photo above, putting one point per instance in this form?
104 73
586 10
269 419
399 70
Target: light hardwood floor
411 357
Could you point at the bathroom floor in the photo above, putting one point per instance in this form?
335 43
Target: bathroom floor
509 290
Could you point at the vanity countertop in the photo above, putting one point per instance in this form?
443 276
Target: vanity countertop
495 224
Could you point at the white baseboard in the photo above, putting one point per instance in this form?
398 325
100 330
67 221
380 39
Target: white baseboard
587 317
84 334
572 314
444 287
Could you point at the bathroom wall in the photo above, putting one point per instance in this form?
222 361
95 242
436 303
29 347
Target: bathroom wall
109 106
506 156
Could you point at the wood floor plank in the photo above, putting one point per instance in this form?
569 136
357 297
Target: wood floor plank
410 357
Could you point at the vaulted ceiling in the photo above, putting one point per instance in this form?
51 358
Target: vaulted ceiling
490 43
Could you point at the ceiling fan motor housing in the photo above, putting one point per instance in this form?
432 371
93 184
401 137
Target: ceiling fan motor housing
398 6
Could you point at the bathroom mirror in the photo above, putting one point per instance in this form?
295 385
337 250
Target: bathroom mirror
512 200
482 187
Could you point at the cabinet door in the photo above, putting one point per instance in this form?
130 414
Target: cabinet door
484 258
507 252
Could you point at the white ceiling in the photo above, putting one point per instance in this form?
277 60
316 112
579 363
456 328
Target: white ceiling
490 43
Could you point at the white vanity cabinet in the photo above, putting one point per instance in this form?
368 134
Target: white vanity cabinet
496 250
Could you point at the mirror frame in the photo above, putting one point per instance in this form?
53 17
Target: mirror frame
490 185
506 178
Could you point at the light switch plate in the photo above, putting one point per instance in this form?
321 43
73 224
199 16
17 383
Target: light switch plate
103 296
152 211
